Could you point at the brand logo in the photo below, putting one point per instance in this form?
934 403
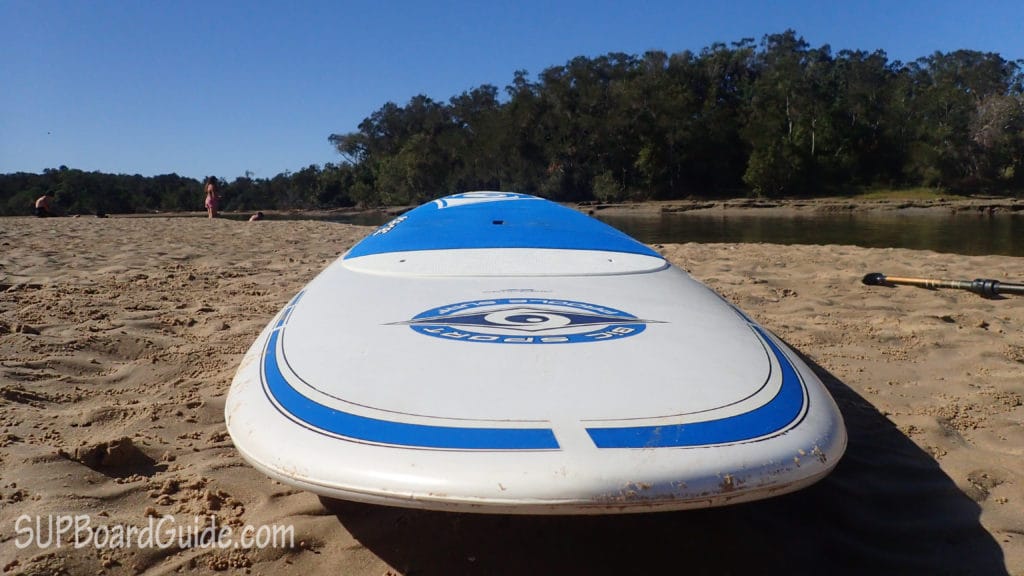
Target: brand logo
526 321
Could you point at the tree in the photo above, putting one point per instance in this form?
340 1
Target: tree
958 96
782 118
473 142
523 138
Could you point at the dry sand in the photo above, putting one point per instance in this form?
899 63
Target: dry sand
119 337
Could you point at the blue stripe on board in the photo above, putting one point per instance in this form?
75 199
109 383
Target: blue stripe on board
776 415
366 429
505 221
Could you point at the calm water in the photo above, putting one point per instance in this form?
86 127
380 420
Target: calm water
974 234
961 234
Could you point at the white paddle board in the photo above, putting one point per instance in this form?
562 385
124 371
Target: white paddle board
496 352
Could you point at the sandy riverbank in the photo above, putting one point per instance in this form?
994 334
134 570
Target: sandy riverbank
798 207
119 337
707 207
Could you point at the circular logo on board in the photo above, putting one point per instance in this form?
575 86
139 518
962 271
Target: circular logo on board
526 321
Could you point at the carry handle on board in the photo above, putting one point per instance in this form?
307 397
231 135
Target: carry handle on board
985 287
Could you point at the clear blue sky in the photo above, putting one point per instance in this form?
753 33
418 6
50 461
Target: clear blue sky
219 87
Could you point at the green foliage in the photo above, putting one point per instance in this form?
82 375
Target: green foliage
779 118
772 118
608 189
78 192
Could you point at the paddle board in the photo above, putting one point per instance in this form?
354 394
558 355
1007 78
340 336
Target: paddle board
495 352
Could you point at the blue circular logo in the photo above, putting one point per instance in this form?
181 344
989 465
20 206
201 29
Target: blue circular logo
526 321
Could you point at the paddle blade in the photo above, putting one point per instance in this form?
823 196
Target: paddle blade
874 279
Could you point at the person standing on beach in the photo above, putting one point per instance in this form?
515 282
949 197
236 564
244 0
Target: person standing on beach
210 187
44 205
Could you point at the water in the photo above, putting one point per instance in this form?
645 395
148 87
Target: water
971 234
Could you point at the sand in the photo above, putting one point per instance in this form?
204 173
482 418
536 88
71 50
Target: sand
119 338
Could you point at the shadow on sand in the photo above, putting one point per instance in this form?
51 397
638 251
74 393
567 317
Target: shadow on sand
887 508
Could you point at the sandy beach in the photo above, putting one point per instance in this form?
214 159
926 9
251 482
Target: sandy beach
119 338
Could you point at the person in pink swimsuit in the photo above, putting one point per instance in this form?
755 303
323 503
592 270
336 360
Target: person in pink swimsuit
210 187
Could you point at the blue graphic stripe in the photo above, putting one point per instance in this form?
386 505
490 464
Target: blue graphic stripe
509 223
776 415
379 431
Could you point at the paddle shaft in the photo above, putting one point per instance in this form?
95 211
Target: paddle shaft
981 286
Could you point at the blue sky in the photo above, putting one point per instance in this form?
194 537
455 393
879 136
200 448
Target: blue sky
219 87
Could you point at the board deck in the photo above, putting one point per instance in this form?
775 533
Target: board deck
496 352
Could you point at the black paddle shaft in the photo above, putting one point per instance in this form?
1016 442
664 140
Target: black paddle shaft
982 286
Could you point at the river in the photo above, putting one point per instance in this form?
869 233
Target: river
973 234
959 233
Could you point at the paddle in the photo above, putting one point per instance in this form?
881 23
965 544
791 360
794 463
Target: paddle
985 287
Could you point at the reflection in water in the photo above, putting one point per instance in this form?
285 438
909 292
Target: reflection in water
961 234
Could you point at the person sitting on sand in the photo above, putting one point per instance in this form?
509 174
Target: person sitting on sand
256 216
44 205
210 187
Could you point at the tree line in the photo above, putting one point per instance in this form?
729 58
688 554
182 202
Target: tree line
771 118
80 192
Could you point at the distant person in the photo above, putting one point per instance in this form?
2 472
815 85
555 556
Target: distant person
210 187
256 216
44 205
